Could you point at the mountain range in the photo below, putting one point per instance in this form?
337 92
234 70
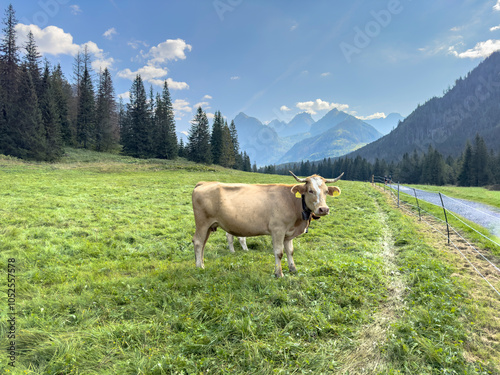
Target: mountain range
335 134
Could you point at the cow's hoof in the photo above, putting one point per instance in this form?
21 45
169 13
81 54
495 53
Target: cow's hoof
293 269
279 274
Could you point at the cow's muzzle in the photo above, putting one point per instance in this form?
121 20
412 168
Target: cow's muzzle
322 211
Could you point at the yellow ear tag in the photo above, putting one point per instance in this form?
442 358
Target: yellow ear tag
297 195
336 193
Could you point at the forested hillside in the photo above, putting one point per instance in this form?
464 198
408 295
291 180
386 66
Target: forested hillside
446 123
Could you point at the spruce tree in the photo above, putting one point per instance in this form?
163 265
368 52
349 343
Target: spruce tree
465 177
32 61
29 140
106 131
227 158
85 121
9 75
199 139
480 163
138 137
216 139
165 140
50 117
62 96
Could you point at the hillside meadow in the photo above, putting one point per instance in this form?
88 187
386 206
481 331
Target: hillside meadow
105 282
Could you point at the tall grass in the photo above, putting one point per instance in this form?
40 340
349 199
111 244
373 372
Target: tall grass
107 282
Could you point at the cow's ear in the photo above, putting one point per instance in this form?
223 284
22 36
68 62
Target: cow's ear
334 191
299 189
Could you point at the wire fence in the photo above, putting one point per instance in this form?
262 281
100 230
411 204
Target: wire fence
412 201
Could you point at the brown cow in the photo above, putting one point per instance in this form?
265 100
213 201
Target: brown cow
281 211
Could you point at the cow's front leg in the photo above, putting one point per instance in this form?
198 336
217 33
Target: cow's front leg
230 242
243 243
278 239
289 255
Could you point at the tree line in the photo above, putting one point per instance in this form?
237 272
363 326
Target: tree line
476 166
41 112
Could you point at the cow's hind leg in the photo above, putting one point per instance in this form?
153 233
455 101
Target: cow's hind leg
289 255
199 240
243 243
278 253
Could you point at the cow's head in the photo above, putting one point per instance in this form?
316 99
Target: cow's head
314 191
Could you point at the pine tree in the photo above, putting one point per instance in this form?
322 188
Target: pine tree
227 158
32 61
480 163
165 139
62 97
50 117
216 139
199 139
85 121
106 133
9 57
9 75
29 140
465 177
138 137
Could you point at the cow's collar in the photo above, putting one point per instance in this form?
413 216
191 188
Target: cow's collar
306 212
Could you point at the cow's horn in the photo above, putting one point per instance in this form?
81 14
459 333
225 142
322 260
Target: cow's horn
298 179
334 179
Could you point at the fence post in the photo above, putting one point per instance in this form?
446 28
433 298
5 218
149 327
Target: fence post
398 194
418 205
446 218
373 179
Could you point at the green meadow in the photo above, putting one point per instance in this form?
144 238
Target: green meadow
106 283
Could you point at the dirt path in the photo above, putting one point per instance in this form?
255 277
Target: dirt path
367 357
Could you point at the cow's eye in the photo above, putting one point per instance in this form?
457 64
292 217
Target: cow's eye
311 192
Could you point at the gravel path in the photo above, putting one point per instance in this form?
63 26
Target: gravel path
484 215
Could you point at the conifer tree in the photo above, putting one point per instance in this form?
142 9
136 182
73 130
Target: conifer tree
226 159
216 139
29 140
85 121
465 177
62 97
32 61
165 140
199 139
480 161
50 117
106 120
138 122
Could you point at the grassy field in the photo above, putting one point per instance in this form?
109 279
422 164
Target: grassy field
106 282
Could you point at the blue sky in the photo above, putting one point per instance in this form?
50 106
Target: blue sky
272 59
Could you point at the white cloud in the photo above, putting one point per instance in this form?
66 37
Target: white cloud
326 74
494 28
168 50
108 34
372 117
497 5
75 9
480 50
52 40
284 108
125 95
320 105
154 75
181 107
136 43
456 28
235 78
207 97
